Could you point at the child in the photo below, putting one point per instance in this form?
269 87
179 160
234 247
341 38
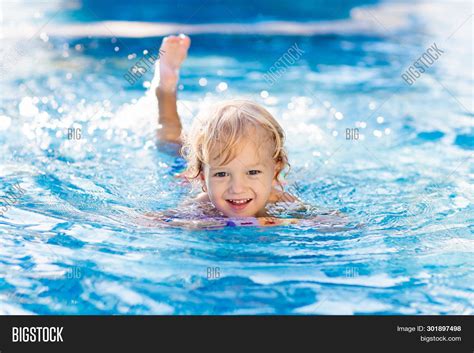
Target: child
235 151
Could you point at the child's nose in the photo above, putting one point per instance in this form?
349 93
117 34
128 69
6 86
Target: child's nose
237 185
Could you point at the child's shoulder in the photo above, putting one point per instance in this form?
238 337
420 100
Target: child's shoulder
202 197
201 206
281 196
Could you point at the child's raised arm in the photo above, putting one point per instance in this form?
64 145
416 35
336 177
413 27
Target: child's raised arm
173 51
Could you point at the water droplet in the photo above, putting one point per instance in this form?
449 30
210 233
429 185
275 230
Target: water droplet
44 37
339 116
264 94
202 82
380 119
221 87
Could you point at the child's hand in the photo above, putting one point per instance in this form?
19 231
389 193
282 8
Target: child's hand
272 221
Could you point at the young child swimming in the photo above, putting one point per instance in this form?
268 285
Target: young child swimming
236 151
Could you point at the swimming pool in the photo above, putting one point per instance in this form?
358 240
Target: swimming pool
395 158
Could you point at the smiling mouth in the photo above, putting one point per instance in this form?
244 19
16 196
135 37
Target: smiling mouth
238 203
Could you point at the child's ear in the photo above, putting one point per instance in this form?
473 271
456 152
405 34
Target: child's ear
277 170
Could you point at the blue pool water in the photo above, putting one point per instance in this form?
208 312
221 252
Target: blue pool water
74 241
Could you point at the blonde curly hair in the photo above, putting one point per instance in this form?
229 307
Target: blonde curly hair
219 134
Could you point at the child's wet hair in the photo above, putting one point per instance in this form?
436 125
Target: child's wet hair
219 134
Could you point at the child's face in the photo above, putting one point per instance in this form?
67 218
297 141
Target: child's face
242 187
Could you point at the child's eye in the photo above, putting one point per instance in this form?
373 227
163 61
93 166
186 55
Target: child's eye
254 172
220 174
